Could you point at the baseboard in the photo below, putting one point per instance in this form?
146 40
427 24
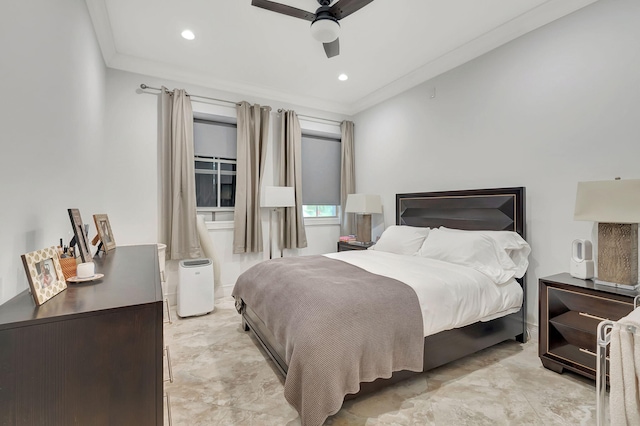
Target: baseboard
225 291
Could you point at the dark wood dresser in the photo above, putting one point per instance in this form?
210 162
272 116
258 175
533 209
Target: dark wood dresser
91 355
570 311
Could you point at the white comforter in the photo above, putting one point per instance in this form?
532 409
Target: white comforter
450 295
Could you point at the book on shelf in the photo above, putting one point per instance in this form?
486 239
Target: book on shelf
360 243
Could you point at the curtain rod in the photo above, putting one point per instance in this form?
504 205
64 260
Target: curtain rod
144 86
312 118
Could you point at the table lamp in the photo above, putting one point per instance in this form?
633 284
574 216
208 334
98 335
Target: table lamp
275 197
615 205
364 205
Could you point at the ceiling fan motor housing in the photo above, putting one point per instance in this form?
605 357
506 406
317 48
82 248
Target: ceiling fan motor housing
325 28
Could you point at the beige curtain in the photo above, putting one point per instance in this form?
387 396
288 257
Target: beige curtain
178 229
347 175
294 234
253 132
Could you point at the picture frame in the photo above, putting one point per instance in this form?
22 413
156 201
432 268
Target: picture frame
105 234
44 273
80 235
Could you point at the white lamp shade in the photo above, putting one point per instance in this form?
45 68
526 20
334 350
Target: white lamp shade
610 201
363 203
325 30
278 196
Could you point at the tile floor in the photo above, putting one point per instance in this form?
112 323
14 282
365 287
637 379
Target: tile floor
222 377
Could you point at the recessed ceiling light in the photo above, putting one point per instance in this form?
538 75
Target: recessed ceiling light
343 77
188 34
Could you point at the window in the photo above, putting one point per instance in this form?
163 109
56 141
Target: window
215 166
215 182
319 211
320 175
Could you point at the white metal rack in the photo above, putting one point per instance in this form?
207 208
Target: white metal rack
604 339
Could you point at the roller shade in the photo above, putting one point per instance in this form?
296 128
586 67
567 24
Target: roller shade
320 170
214 139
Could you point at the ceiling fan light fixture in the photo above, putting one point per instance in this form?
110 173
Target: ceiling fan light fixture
325 29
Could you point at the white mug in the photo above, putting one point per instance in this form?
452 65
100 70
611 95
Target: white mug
86 270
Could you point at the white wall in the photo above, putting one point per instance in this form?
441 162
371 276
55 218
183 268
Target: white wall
131 196
554 107
51 118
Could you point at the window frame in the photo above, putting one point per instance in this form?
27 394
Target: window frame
218 172
337 208
321 131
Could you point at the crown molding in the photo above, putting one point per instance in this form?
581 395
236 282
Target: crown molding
529 21
241 91
509 31
113 59
102 27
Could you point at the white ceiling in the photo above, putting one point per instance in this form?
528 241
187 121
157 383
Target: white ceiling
386 47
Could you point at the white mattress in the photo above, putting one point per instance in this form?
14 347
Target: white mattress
450 295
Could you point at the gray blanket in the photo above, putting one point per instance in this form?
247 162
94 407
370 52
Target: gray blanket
339 324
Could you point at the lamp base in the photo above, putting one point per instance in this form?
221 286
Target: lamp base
616 285
363 231
277 211
618 253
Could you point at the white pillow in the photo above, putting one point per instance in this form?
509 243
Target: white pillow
401 239
511 242
473 250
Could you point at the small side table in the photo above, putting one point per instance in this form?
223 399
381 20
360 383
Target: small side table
344 246
570 310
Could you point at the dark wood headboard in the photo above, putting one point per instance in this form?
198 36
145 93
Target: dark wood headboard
498 209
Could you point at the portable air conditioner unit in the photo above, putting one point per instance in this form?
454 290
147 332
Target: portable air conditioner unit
195 287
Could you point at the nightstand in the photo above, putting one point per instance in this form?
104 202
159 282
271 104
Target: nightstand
569 312
344 246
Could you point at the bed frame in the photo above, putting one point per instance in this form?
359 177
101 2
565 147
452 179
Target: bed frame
482 209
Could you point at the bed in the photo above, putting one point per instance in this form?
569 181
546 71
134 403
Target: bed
501 209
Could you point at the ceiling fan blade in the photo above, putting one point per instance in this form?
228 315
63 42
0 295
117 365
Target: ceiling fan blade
332 49
284 9
344 8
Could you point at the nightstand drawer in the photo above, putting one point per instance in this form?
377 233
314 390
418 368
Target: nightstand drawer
577 329
596 307
577 357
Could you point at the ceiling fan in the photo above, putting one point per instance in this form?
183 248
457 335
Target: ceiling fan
324 22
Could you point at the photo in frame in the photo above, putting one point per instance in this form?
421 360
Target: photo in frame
104 231
44 273
80 235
